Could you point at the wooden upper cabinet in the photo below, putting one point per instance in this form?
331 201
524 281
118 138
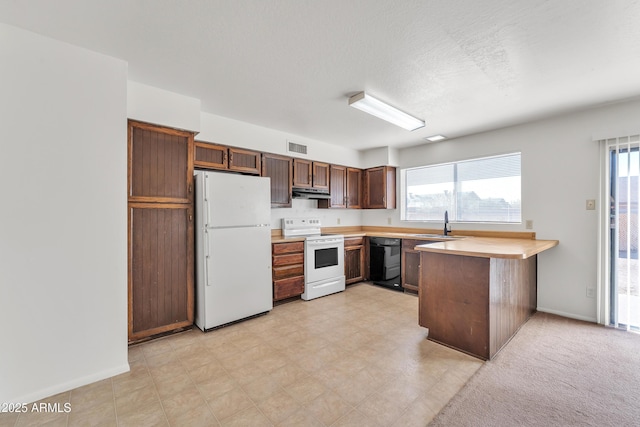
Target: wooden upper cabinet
210 156
338 188
280 170
320 176
160 164
380 187
354 188
308 174
302 173
213 156
244 161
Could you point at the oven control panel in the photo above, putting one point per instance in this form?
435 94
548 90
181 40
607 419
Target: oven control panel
297 227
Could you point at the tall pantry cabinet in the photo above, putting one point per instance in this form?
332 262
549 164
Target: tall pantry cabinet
161 227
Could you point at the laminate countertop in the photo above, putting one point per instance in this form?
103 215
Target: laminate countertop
413 236
490 247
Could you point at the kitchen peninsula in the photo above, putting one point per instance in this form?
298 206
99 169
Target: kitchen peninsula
476 292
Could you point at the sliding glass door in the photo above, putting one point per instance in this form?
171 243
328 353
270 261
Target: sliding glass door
624 268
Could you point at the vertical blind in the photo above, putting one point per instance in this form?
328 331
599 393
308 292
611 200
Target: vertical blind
623 194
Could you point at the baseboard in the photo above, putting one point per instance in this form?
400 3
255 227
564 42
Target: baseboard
70 385
569 315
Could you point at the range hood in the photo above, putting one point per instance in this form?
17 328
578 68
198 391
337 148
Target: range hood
310 193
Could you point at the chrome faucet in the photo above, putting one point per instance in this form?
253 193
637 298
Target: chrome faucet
447 229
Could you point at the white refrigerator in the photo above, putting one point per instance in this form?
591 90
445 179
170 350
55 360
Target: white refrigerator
233 248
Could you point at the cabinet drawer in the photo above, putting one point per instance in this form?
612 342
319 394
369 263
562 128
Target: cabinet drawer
353 241
287 271
288 248
287 288
280 260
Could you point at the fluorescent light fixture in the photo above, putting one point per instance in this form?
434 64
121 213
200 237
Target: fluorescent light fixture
435 138
375 107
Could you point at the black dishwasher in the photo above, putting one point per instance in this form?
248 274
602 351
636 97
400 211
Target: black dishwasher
385 262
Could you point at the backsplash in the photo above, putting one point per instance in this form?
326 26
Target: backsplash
308 208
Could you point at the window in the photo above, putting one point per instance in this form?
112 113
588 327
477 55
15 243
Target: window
477 190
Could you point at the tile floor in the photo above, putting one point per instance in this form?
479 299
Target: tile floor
357 358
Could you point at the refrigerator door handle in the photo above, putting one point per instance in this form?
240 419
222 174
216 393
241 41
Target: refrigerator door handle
206 258
207 205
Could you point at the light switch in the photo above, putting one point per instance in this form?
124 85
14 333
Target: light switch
591 205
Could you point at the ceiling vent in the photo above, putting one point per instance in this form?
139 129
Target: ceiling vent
297 148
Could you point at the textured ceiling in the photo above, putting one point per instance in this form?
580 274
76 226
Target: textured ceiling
464 66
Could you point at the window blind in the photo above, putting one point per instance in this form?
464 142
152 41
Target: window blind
623 197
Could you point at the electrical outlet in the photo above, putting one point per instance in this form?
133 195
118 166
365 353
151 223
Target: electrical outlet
591 292
338 220
389 220
591 205
529 224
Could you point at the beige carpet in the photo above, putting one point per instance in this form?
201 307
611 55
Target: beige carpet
554 372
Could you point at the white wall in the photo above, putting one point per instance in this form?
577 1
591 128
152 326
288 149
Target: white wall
222 130
63 223
379 156
153 105
225 131
560 171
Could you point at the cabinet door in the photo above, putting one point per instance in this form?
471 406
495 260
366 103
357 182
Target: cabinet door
410 263
160 268
380 188
160 164
302 173
210 156
354 264
320 177
279 169
354 188
244 161
338 176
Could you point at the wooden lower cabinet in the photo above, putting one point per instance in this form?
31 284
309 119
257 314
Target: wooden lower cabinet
161 269
410 264
475 304
354 259
288 269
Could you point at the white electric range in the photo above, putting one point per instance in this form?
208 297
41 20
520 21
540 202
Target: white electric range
323 256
